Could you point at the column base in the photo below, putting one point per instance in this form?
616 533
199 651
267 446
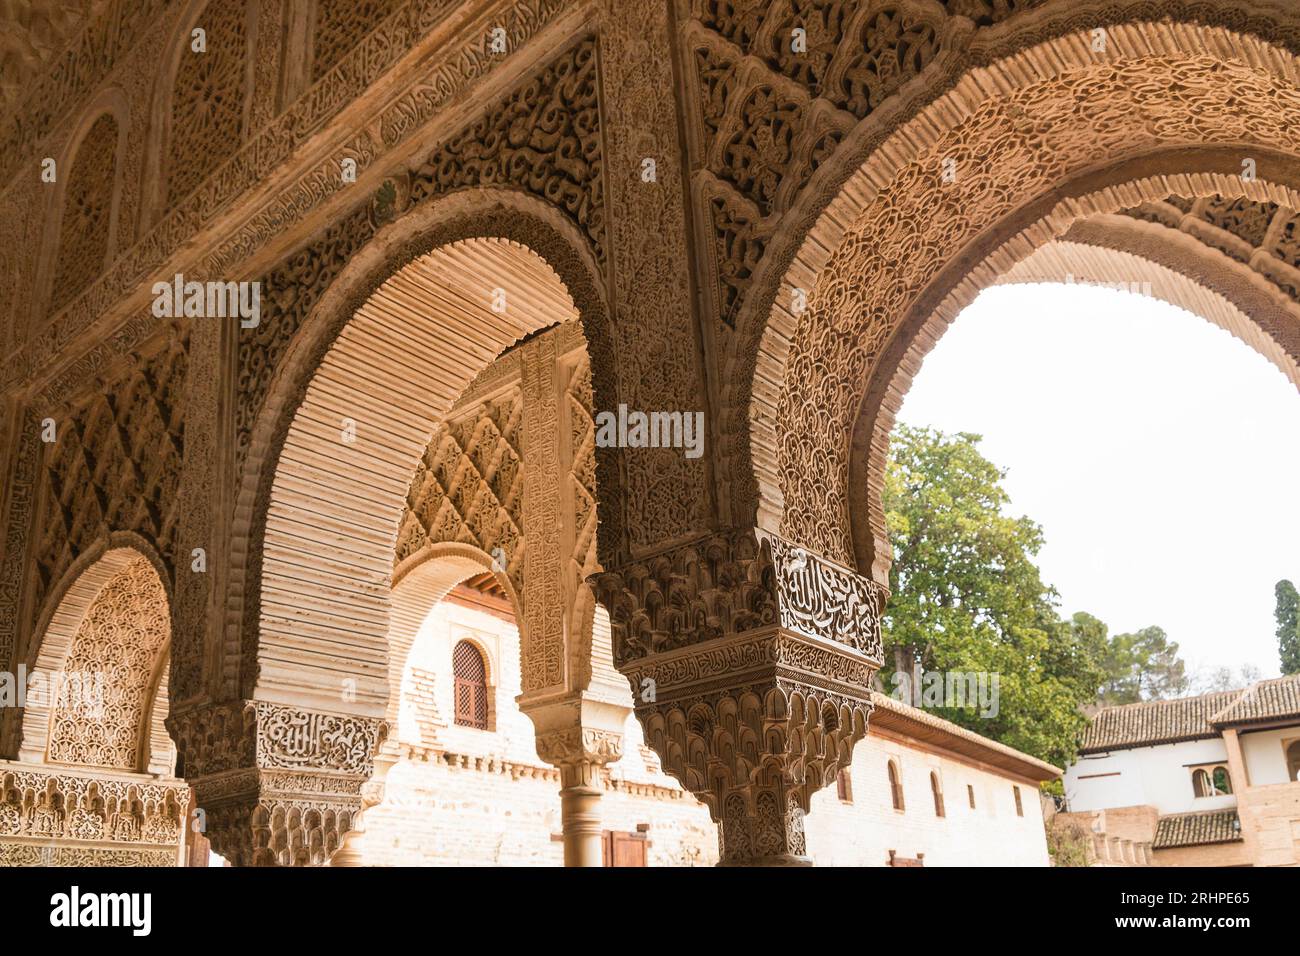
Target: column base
782 859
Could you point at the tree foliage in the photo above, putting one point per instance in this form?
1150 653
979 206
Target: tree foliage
967 595
1287 613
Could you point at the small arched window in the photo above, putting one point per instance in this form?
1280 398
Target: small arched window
1201 783
1211 782
937 790
895 786
1293 760
471 686
1222 784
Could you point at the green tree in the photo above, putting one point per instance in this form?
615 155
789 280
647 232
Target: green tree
967 596
1288 626
1143 666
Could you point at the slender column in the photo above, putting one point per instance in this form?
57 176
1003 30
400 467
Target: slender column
750 662
579 734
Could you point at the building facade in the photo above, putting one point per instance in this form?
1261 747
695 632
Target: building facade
313 309
465 784
1212 780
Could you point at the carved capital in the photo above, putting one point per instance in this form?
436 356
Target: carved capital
578 733
750 662
732 582
278 786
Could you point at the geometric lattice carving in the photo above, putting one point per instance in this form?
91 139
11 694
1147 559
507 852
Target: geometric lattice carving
208 99
544 138
771 115
83 233
125 629
114 467
469 485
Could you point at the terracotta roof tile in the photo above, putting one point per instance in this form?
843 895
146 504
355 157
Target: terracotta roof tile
1265 700
1197 829
1155 722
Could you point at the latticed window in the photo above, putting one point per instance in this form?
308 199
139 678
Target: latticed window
471 686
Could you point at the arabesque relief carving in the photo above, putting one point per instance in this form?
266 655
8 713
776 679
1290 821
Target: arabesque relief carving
757 644
120 639
559 163
279 786
136 818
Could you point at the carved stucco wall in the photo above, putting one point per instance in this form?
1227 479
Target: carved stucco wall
84 231
776 136
207 114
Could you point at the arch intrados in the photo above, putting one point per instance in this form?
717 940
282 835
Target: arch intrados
344 329
841 190
1094 197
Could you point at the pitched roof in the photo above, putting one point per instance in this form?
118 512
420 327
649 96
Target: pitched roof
1155 722
892 714
1274 699
1197 829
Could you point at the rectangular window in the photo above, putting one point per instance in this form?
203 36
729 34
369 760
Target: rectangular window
844 787
970 795
1020 809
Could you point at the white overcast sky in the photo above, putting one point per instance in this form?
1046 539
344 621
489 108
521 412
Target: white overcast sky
1160 454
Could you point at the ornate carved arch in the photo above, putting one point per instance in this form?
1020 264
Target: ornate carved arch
1109 250
515 220
202 102
1015 150
108 617
811 221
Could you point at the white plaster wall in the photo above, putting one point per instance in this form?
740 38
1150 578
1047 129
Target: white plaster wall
1265 755
1159 776
863 833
